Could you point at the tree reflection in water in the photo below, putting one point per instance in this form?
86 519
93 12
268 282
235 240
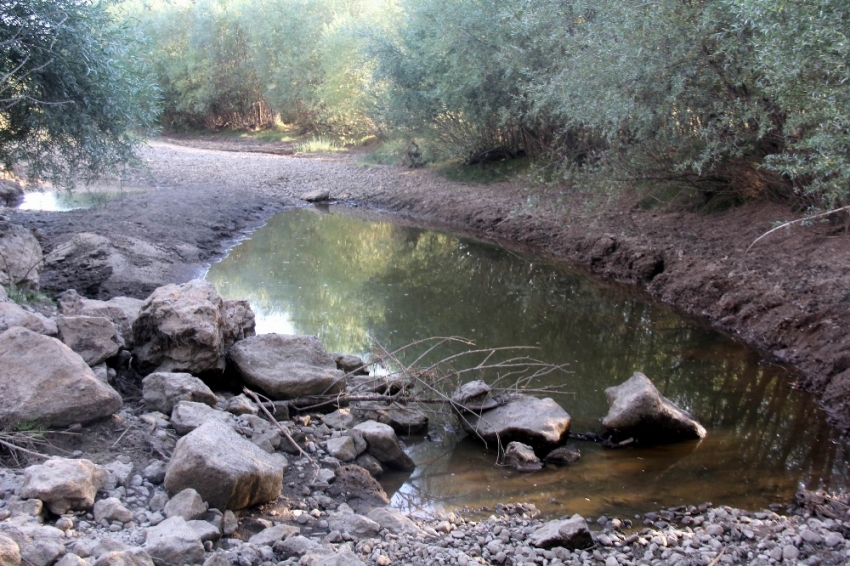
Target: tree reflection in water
345 280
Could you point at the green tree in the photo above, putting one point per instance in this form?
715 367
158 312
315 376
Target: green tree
71 94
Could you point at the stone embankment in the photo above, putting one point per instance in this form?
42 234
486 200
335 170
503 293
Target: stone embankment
220 477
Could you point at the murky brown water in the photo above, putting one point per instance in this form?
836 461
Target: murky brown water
350 281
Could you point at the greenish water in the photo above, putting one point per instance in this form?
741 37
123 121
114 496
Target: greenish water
351 282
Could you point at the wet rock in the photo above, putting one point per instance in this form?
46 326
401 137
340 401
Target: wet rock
42 380
563 456
285 367
188 328
384 445
404 420
639 411
271 535
342 448
188 415
521 457
111 509
473 397
318 195
187 504
64 484
121 311
341 419
12 314
10 553
173 541
350 364
163 390
94 338
571 533
130 557
526 419
20 257
228 471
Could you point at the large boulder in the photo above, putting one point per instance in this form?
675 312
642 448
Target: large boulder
122 311
526 419
188 328
384 445
639 411
571 533
285 366
94 338
228 471
12 314
44 381
173 542
64 484
163 390
20 257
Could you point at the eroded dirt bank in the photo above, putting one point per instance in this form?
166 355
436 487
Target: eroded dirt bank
788 296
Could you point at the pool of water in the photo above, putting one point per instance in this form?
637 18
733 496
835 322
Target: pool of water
354 283
63 201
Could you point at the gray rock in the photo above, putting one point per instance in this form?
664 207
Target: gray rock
119 474
162 391
571 533
130 557
563 456
285 367
521 457
205 530
356 525
174 542
638 410
188 415
299 546
342 558
10 553
271 535
20 257
71 560
229 523
64 484
404 420
370 464
341 419
12 314
318 195
188 328
384 445
94 338
122 311
228 471
342 448
350 364
158 501
217 559
155 472
241 405
382 384
526 419
11 193
42 552
473 397
42 380
4 296
393 520
111 509
187 504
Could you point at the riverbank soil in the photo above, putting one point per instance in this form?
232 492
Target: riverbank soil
789 295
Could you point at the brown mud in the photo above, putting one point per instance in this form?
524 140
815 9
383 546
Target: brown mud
789 296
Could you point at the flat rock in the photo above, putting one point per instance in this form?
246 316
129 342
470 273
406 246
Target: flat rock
526 419
64 484
188 415
188 328
163 390
384 445
172 542
271 535
20 257
563 456
356 525
12 314
318 195
287 366
44 381
639 411
228 471
121 311
130 557
473 397
94 338
571 533
404 420
393 520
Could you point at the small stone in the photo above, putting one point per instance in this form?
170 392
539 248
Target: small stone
790 553
187 504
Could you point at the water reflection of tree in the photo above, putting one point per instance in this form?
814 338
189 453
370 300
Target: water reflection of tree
343 279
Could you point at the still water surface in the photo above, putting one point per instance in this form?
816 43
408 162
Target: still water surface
351 281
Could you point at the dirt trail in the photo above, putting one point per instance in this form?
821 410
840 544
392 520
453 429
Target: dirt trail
789 296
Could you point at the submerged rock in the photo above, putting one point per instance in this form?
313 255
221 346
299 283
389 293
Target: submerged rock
188 328
521 457
526 419
44 381
287 366
563 456
638 410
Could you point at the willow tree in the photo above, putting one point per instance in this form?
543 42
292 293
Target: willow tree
71 96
